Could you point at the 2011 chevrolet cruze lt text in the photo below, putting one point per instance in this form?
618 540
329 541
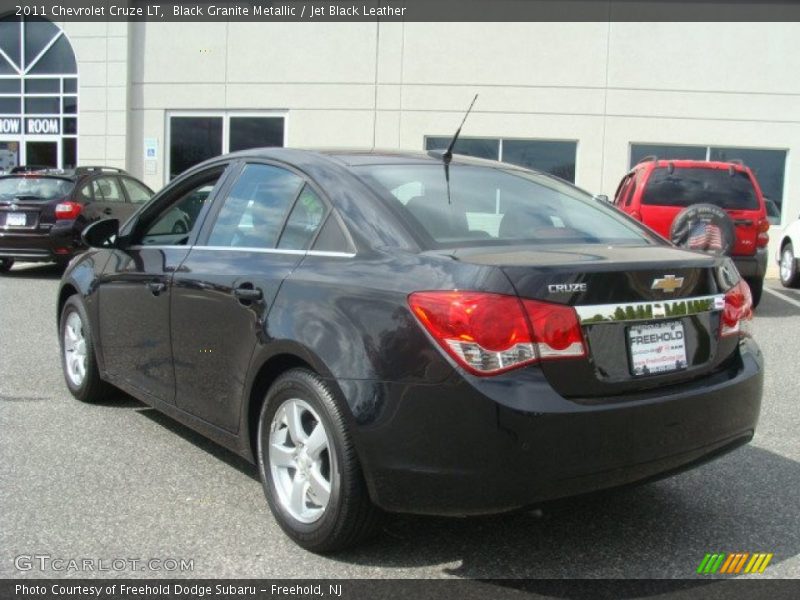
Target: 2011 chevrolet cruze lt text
412 332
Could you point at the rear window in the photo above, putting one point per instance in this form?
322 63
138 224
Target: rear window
686 186
497 206
34 188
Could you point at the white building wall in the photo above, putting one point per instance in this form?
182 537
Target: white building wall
604 85
101 51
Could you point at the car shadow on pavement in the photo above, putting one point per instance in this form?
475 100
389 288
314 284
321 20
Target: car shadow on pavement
747 501
35 271
191 436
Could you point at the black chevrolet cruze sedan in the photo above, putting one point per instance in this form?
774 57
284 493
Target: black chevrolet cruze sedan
397 332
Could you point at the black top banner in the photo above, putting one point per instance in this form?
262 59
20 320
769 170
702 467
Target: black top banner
405 10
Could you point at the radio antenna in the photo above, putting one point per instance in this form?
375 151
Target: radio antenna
447 155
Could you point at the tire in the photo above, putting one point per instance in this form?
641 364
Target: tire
790 277
756 289
704 227
347 516
6 264
84 381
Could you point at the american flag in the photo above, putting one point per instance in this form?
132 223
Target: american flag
705 236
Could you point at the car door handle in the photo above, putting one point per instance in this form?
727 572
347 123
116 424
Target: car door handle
248 294
743 222
156 287
107 211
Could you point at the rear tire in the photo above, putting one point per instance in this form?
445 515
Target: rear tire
6 264
790 277
78 359
756 289
311 476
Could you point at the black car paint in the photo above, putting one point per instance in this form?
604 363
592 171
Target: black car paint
431 438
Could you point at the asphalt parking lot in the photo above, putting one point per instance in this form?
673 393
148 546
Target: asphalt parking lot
122 481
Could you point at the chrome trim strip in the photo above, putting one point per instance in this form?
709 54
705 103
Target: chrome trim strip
648 311
258 250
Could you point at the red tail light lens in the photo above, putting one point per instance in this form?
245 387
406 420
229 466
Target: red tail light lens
738 308
492 333
556 329
762 240
68 210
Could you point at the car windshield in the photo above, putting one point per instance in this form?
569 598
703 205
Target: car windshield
490 205
685 186
34 188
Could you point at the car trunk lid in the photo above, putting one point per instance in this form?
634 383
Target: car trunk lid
650 315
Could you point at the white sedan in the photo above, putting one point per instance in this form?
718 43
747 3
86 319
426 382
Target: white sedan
788 255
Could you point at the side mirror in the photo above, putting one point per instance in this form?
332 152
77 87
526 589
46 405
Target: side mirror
602 197
101 234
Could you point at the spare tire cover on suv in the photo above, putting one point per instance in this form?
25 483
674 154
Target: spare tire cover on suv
704 227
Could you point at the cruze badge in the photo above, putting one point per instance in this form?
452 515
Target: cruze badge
668 284
566 288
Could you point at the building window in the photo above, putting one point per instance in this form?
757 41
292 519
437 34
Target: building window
769 166
195 137
38 88
551 156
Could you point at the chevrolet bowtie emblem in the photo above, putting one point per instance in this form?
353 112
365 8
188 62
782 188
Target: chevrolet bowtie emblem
668 284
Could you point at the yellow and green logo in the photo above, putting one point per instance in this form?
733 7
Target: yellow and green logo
734 563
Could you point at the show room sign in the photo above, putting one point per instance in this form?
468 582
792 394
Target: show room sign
10 126
42 126
33 126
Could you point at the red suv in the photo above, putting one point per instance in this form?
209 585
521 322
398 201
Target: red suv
666 194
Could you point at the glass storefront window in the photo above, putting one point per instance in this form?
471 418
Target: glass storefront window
551 156
194 138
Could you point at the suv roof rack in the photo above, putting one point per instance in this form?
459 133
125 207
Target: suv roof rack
98 169
736 161
651 158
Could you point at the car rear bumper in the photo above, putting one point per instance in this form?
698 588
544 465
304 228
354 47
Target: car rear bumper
454 450
752 266
56 244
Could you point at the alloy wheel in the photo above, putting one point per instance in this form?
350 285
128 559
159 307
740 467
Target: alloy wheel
300 460
75 349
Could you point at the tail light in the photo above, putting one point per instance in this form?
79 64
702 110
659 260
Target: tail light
762 241
493 333
738 308
68 210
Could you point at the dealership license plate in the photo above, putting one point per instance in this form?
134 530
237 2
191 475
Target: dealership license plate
16 220
657 348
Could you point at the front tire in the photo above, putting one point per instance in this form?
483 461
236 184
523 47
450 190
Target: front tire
790 278
308 466
77 354
6 264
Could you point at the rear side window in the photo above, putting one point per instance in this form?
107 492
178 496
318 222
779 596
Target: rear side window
489 205
254 210
687 186
137 193
106 189
34 188
303 222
